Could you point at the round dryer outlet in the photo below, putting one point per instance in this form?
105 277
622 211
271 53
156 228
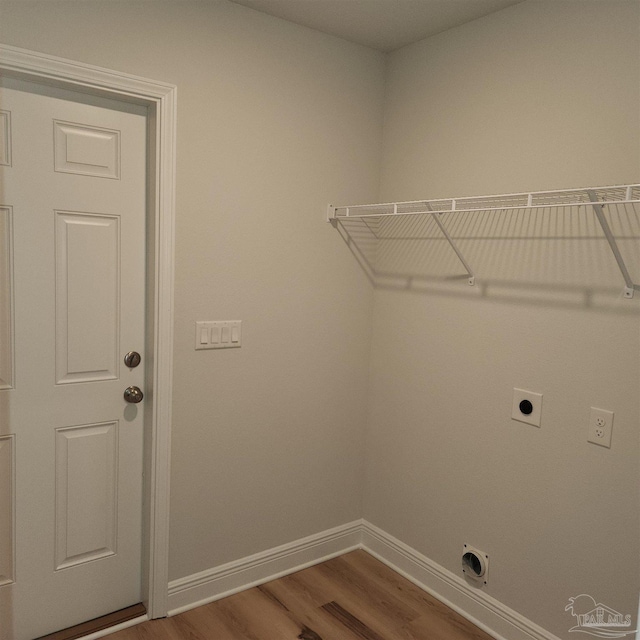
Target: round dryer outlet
475 564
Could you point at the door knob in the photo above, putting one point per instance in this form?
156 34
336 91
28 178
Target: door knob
133 395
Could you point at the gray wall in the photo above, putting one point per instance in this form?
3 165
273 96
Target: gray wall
274 120
539 96
269 441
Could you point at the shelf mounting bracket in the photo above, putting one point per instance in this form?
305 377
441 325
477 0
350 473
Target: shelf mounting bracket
597 207
454 246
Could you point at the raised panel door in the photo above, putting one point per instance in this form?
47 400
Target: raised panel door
72 299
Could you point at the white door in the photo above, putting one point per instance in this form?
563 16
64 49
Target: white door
72 300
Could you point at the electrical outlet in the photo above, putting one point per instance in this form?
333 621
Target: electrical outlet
526 407
600 427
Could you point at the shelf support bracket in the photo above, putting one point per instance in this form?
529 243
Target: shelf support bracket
331 215
445 233
597 207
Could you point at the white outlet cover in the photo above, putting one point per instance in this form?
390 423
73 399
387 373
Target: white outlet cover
533 418
600 427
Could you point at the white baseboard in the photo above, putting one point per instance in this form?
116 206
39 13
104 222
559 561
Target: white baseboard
493 617
219 582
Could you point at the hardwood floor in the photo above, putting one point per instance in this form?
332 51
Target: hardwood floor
353 597
98 624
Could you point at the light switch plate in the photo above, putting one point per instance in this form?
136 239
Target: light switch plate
527 407
218 334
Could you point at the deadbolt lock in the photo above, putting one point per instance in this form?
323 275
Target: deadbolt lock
132 359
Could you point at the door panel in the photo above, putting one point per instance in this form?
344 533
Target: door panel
87 297
6 510
72 272
5 138
6 301
86 150
86 493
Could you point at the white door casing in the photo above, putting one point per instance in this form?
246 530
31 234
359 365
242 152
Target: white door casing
160 100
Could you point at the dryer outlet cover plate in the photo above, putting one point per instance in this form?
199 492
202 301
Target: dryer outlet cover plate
527 407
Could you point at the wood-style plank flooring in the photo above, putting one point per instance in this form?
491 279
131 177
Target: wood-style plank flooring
352 597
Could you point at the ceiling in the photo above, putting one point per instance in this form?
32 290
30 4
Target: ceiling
385 25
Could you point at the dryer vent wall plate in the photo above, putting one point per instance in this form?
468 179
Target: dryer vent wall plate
475 564
526 407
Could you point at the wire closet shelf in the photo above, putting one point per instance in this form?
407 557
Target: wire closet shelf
596 198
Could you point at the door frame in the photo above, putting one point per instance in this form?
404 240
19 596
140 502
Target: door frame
160 100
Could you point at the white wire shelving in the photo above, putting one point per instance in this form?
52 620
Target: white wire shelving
594 198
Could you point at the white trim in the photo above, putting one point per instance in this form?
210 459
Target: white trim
225 580
160 98
487 613
69 74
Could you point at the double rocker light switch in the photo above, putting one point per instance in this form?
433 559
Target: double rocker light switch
218 334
